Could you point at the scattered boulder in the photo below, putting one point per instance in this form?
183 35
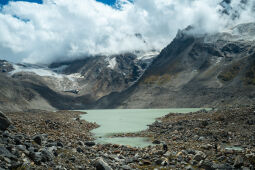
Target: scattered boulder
199 156
4 122
189 167
60 144
158 162
146 162
90 143
165 148
201 138
238 161
157 142
46 155
100 164
36 157
80 150
38 139
81 143
206 146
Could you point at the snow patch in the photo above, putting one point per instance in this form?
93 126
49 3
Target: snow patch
148 55
75 76
41 71
218 60
112 63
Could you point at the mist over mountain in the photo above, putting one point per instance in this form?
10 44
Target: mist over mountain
210 70
60 30
92 55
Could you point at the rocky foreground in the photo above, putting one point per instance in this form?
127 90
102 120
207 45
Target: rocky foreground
219 139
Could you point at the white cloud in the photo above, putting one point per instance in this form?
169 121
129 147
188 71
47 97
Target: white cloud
64 29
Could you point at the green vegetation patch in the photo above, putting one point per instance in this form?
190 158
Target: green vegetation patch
157 79
230 73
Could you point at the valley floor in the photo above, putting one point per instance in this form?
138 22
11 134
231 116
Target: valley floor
219 139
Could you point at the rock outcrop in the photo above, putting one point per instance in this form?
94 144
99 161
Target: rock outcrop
4 122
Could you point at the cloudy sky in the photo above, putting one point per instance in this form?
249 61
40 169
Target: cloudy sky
54 30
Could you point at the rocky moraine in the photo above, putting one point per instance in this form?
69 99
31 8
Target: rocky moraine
218 139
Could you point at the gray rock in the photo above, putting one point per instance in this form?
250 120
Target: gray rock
222 167
90 143
147 162
38 139
7 160
100 164
165 148
36 157
192 152
60 144
52 150
80 150
72 159
126 167
31 149
4 152
4 122
51 144
201 138
208 165
238 162
78 167
21 147
196 137
189 167
59 167
81 143
158 162
164 163
199 156
46 155
157 142
206 146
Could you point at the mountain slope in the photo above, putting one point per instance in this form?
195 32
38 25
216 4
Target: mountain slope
196 71
68 85
102 75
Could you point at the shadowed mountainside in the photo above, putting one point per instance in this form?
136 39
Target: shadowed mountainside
68 85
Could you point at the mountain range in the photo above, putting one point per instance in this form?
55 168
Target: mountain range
194 70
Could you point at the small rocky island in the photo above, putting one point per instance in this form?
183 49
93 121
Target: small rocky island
217 139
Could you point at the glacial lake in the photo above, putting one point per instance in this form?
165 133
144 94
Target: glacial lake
115 121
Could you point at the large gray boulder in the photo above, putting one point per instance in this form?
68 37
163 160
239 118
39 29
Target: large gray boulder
4 122
100 164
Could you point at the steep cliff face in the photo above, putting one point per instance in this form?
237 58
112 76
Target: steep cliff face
196 71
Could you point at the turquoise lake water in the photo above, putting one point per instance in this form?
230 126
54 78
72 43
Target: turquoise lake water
114 121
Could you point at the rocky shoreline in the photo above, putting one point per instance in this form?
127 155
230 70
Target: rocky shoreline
223 138
218 139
